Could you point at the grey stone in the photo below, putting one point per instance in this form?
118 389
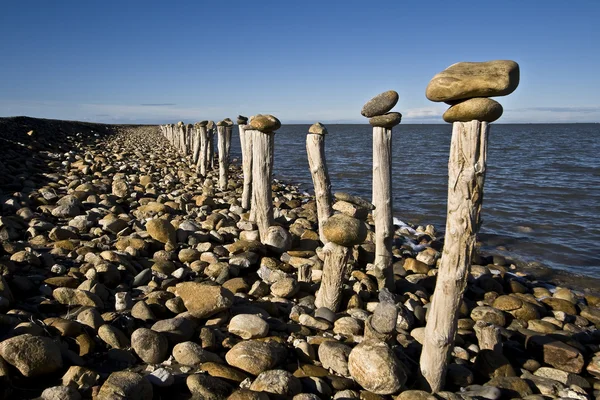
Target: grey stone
380 104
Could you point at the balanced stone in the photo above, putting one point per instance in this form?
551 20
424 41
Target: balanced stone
388 120
202 123
241 120
222 123
265 123
359 201
228 122
465 80
380 104
318 129
479 108
344 230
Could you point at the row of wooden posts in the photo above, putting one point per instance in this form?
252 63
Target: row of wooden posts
466 174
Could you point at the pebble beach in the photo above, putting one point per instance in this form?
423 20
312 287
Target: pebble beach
126 275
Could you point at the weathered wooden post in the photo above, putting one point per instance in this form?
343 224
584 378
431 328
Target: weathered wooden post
223 160
210 153
315 149
228 133
262 128
246 145
181 136
196 144
188 139
203 153
466 86
383 121
341 232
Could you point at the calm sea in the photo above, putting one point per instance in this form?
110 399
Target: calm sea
542 189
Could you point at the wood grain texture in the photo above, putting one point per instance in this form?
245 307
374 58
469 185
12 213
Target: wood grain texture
382 199
223 161
262 170
466 177
246 144
334 273
315 150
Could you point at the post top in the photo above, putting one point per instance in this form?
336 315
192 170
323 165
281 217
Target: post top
241 120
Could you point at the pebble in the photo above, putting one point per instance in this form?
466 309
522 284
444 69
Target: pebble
150 346
248 326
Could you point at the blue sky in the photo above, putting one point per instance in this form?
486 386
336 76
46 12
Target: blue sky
303 61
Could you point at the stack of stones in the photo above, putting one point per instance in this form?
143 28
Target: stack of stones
467 86
353 206
377 110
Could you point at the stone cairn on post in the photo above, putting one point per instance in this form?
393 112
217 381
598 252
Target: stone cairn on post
341 232
262 128
246 146
466 87
210 152
315 150
377 110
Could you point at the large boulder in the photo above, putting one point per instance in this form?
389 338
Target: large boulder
373 365
32 355
203 300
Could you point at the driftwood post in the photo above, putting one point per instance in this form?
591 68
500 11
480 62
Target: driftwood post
203 153
246 145
315 150
263 129
222 147
196 144
188 139
341 232
228 133
467 86
210 153
383 121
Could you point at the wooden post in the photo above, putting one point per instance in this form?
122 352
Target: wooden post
181 136
382 200
315 149
228 133
203 153
332 279
246 145
263 130
383 121
196 144
466 85
466 176
188 139
223 162
342 232
210 154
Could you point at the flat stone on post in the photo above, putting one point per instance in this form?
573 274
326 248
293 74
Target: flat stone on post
465 80
203 123
388 120
318 129
380 104
241 120
479 108
265 123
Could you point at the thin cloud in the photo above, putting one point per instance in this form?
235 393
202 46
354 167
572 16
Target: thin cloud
158 104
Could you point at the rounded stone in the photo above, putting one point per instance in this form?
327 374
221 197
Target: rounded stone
203 123
466 80
248 326
241 120
380 104
373 365
318 129
192 354
60 393
277 381
334 355
507 303
264 123
31 355
344 230
255 356
150 346
203 300
206 387
113 337
479 108
285 287
161 230
388 120
125 385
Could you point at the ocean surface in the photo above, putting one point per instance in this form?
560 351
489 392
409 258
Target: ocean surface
542 190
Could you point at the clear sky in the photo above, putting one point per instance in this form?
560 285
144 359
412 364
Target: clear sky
303 61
